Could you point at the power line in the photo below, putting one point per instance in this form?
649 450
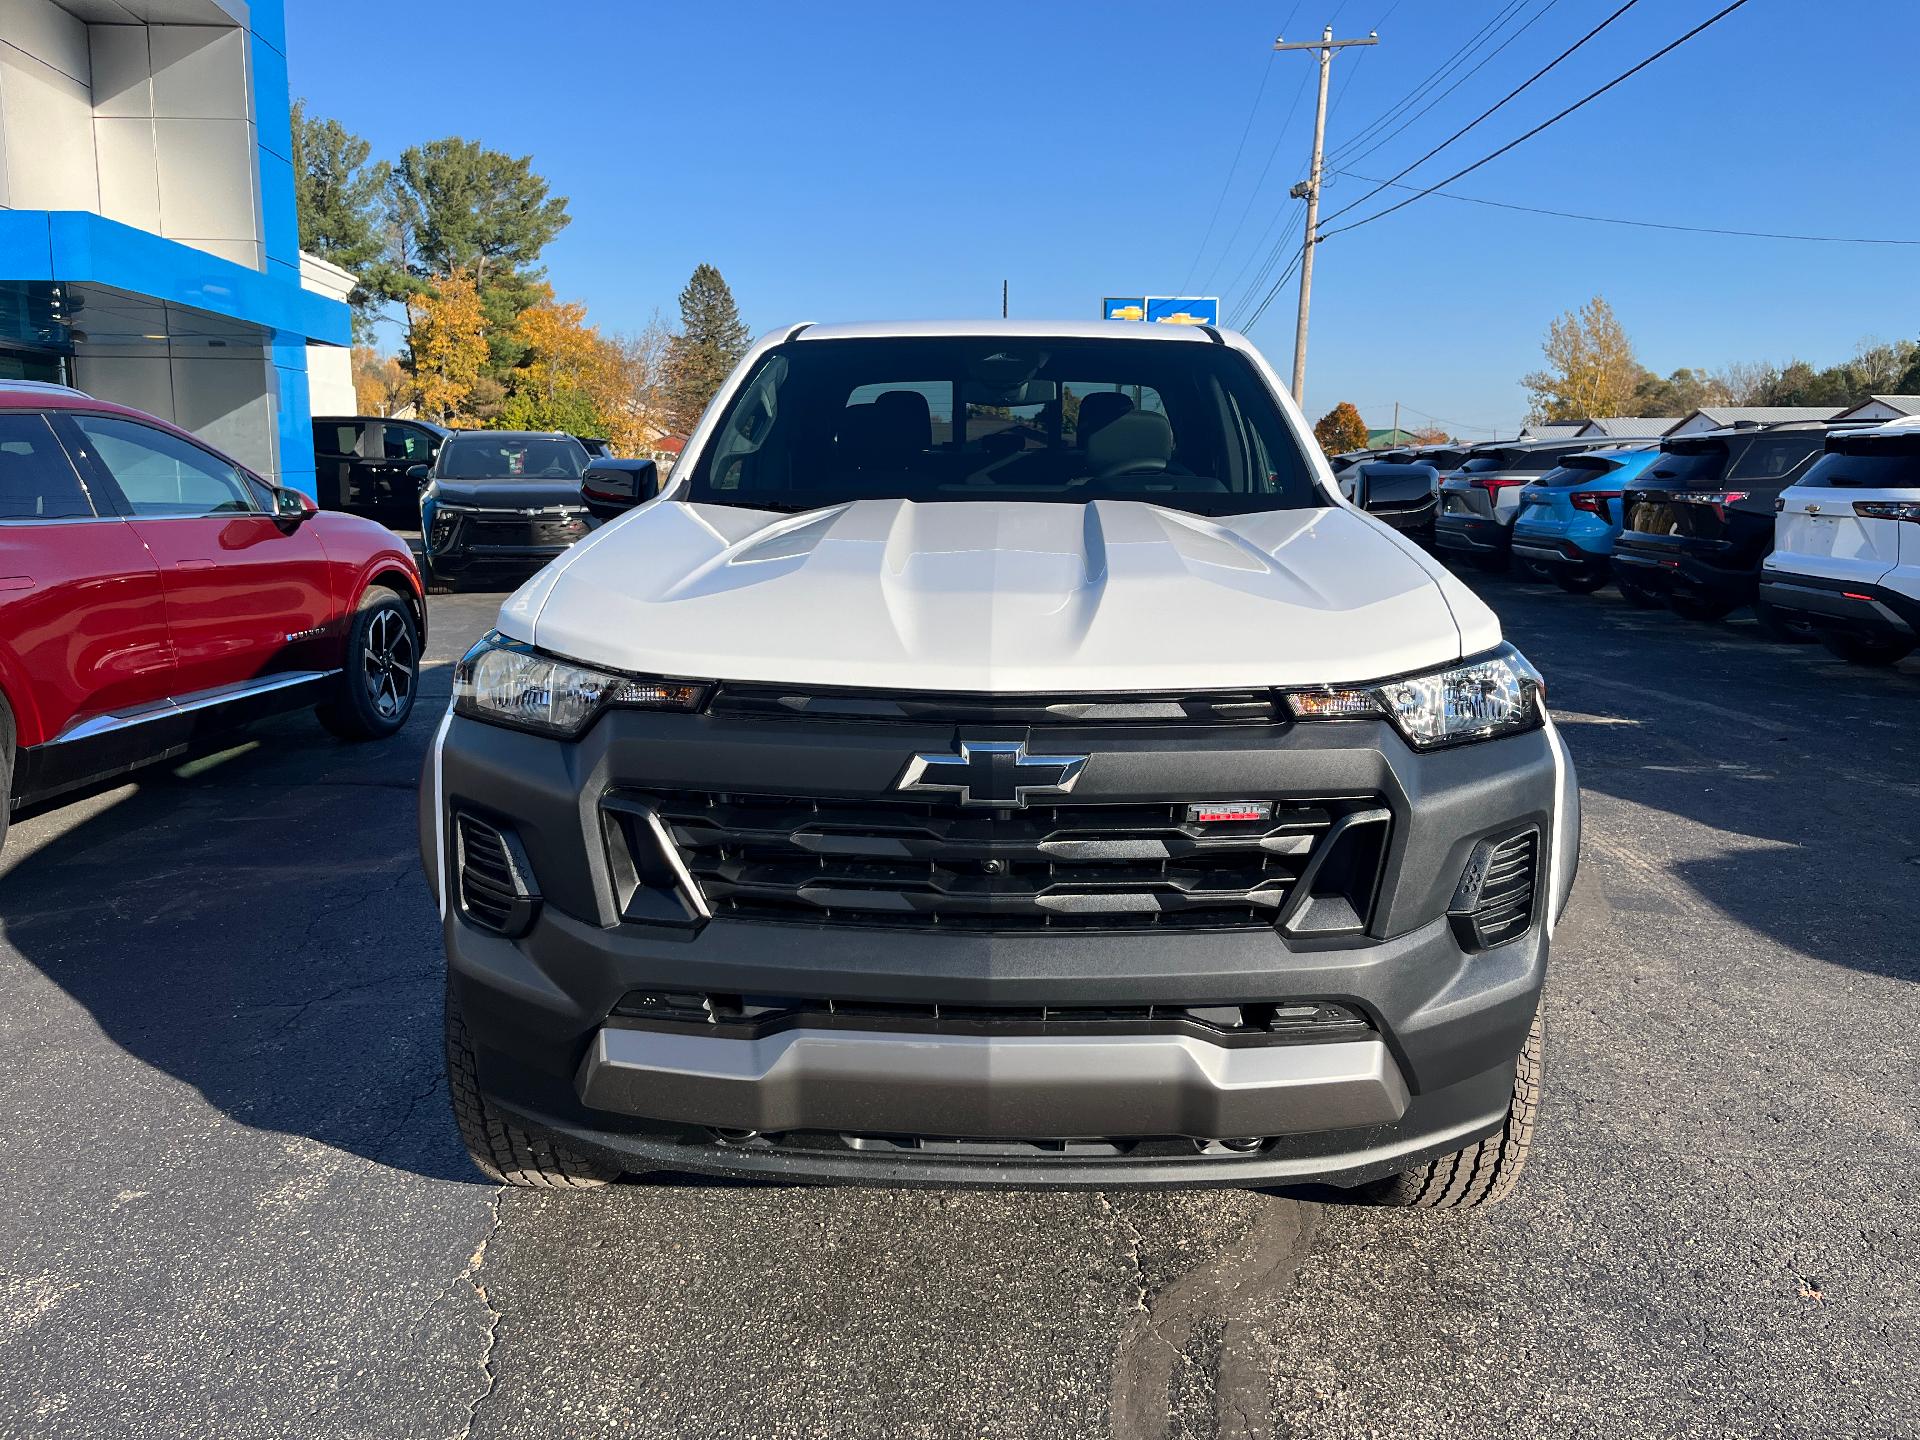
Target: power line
1668 49
1280 136
1232 169
1349 153
1648 224
1439 72
1492 109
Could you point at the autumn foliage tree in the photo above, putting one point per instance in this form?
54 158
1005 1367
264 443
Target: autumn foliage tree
448 329
1341 429
1591 370
380 384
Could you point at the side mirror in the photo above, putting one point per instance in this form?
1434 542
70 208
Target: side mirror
1355 485
419 475
291 510
613 487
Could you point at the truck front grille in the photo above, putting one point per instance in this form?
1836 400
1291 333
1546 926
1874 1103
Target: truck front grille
913 863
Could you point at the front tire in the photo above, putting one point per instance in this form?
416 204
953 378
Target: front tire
502 1151
6 770
376 689
1487 1171
1866 649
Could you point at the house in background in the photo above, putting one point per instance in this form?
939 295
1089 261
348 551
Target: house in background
149 242
666 453
1388 439
1628 426
1883 407
1554 430
1720 417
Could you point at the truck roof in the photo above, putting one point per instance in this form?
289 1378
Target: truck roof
1013 329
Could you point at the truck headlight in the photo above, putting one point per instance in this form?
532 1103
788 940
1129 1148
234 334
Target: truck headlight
1498 693
505 682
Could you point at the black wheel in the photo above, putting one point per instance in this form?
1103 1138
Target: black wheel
1490 562
382 674
1641 597
1866 649
1701 607
1776 625
1486 1172
6 770
1578 581
502 1151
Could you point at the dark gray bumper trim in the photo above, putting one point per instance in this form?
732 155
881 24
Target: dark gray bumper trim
1031 1087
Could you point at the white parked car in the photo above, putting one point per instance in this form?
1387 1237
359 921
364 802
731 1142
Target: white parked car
999 757
1846 555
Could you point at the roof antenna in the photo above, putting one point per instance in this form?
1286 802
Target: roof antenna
1003 299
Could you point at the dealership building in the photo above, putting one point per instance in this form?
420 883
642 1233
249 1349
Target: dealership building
149 245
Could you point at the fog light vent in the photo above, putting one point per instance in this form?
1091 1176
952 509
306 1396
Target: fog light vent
496 883
1494 901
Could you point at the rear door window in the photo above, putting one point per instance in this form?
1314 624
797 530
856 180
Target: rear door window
337 437
161 474
1772 456
37 480
1894 466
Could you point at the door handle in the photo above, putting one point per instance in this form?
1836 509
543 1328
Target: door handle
193 565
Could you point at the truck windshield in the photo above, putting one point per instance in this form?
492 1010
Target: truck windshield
1186 425
511 457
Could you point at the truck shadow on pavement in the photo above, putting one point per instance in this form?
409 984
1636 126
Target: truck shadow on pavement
257 928
1792 774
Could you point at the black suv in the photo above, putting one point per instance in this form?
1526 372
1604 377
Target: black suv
363 463
1698 524
502 502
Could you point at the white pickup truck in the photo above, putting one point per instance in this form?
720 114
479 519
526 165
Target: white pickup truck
998 757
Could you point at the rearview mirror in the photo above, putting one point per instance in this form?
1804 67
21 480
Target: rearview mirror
613 487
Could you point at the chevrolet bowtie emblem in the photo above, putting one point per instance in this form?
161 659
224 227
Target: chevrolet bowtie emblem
992 772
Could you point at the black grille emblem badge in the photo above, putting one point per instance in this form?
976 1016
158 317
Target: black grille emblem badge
992 772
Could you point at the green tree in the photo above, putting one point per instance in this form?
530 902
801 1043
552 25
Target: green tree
456 206
1341 429
711 340
1679 394
338 194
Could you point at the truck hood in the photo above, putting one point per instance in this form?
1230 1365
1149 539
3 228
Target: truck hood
509 494
1001 596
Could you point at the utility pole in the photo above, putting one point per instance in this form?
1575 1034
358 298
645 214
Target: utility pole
1396 422
1310 190
1003 299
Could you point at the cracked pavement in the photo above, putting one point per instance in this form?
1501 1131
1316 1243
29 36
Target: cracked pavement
236 1205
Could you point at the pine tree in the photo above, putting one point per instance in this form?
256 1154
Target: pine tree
711 341
337 194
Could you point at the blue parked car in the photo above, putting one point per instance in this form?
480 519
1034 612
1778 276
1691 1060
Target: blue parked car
1569 517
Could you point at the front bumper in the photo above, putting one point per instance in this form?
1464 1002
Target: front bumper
875 1105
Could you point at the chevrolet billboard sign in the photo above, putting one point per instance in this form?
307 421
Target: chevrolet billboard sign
1163 309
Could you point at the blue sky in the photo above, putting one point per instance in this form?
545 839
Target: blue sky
857 160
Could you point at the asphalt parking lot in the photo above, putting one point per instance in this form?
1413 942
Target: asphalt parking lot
236 1205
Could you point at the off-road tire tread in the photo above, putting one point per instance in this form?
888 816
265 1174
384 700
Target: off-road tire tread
504 1152
1485 1172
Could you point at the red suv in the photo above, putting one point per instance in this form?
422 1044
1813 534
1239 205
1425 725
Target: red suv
152 590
